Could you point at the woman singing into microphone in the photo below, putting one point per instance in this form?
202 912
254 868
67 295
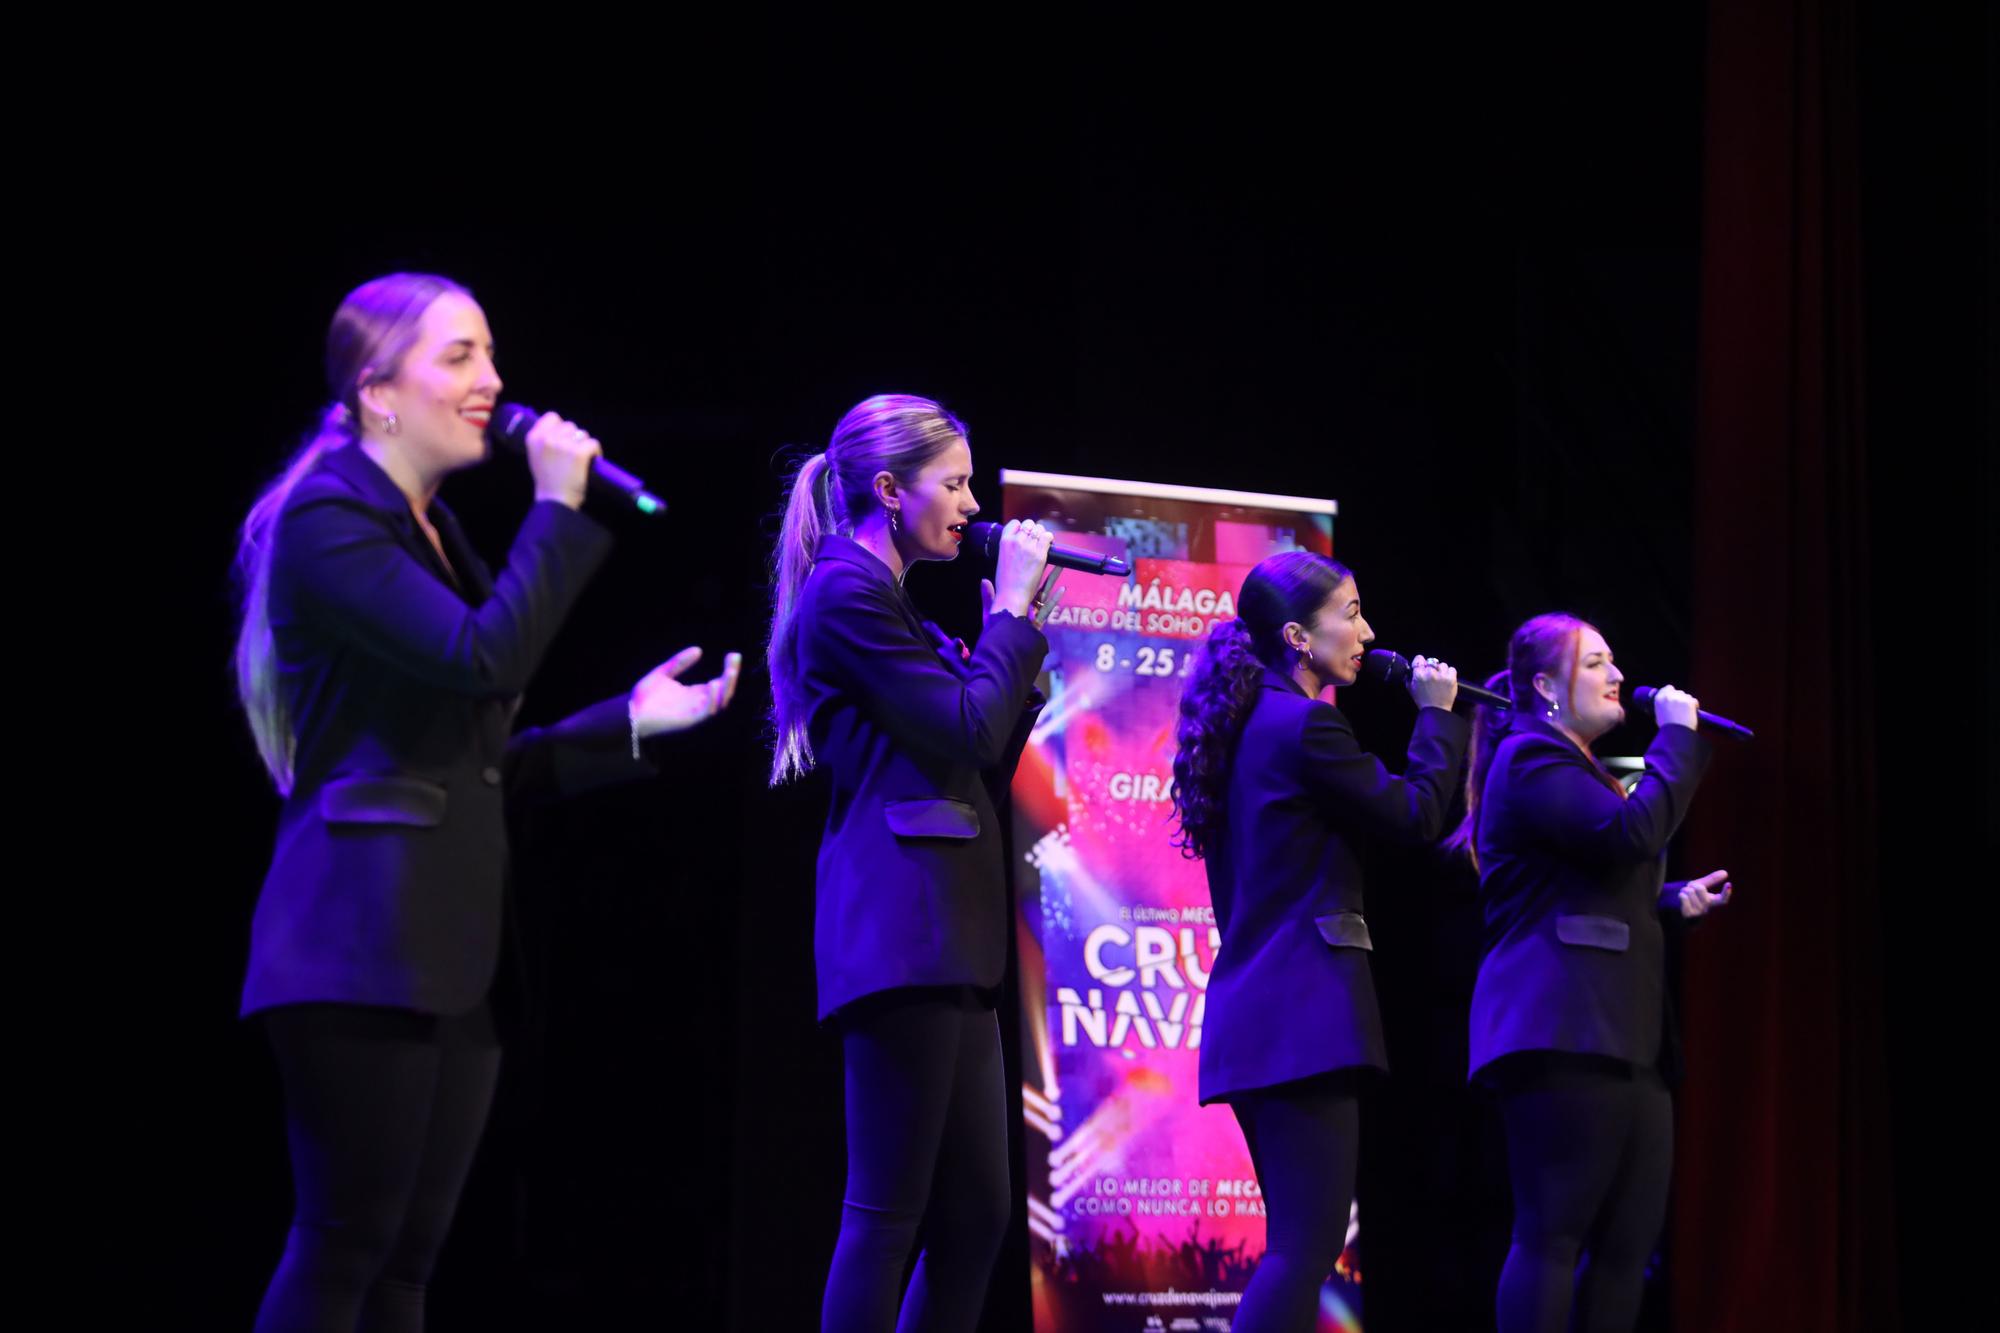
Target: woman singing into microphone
910 932
381 664
1569 1015
1274 794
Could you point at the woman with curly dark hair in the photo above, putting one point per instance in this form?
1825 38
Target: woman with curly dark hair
1272 792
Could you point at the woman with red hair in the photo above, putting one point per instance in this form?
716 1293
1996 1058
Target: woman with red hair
1570 1020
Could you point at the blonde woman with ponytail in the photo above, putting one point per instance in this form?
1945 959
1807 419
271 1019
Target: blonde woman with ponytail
380 665
919 740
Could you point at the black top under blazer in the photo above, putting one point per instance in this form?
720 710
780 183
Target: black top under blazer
918 743
1571 875
385 886
1291 994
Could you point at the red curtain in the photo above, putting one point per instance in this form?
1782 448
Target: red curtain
1783 1188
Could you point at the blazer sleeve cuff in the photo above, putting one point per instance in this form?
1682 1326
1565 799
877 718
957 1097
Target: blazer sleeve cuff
1015 633
1444 724
1681 752
571 529
584 751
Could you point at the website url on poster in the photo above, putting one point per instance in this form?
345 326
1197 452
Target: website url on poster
1211 1299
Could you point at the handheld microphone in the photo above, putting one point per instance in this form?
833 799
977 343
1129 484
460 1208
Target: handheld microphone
509 430
985 539
1643 696
1390 668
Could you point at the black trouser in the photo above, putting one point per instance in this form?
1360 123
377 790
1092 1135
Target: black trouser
383 1109
1305 1142
1590 1151
926 1147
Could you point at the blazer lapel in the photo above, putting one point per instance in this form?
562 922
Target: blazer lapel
952 652
837 546
474 583
354 465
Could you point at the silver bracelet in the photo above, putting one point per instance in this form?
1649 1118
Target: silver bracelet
632 713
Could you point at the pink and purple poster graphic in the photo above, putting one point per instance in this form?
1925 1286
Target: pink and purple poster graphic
1143 1209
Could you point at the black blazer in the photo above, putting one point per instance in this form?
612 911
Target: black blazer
385 885
1570 879
1291 994
911 890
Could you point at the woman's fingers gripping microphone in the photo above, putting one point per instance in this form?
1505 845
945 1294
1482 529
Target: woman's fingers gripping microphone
1676 708
559 456
1433 683
1024 552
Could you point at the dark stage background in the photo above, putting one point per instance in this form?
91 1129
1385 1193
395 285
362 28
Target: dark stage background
1454 279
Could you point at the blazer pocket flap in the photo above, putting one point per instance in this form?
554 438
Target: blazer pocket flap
1344 930
1594 932
941 817
382 800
